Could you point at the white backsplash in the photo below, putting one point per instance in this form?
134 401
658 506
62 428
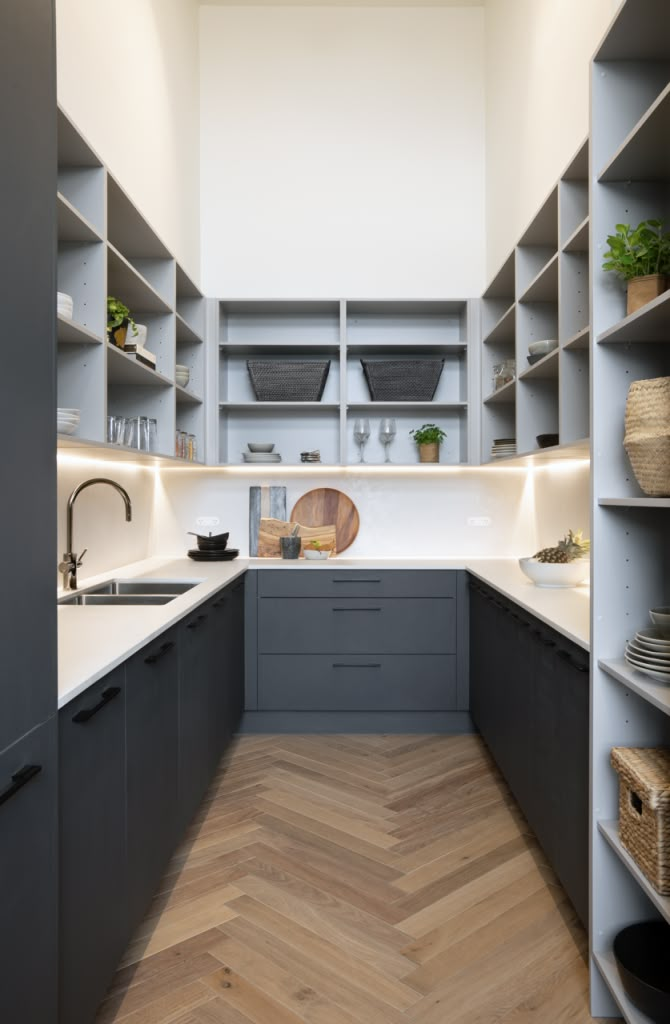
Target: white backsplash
403 515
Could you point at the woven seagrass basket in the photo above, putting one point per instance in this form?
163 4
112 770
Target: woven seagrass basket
647 437
275 380
644 810
402 380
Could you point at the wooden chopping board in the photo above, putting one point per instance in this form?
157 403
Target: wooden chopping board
272 529
325 505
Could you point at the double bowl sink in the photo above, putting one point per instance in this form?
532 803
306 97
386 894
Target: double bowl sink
130 592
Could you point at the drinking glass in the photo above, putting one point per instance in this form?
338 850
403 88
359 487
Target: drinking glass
153 435
361 435
387 431
132 432
116 427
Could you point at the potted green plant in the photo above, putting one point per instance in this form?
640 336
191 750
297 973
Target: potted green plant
429 437
641 256
118 321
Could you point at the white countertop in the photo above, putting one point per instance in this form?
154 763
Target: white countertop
92 640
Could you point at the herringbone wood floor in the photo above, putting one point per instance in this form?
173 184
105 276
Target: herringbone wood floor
356 880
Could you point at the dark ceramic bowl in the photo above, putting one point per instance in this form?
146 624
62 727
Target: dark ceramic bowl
547 440
216 543
642 954
535 359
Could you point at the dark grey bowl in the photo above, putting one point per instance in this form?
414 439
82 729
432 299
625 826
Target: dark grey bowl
547 440
216 543
642 954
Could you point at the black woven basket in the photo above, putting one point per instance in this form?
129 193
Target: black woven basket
288 381
402 380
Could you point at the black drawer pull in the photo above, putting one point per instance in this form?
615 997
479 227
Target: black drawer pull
220 603
366 664
25 774
356 609
151 659
86 713
356 581
544 638
577 665
197 622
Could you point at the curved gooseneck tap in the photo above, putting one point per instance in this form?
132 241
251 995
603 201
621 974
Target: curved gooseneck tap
71 561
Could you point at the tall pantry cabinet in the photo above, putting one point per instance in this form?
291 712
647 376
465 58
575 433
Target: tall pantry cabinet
28 734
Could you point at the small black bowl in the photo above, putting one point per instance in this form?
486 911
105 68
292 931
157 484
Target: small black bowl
547 440
642 954
216 543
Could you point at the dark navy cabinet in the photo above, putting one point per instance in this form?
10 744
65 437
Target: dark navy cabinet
201 713
529 689
94 924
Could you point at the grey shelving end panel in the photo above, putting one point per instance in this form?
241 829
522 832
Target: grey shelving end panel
630 181
81 175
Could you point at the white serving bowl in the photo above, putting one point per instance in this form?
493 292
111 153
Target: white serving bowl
260 447
315 556
661 618
550 574
542 348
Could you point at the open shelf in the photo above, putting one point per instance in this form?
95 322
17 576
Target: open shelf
652 690
186 397
651 323
610 830
373 407
579 239
118 453
507 393
267 348
128 285
607 966
128 231
266 406
579 340
547 367
503 332
640 157
185 333
635 502
573 450
544 286
72 225
123 368
69 332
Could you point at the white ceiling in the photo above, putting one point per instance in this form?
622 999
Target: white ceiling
342 3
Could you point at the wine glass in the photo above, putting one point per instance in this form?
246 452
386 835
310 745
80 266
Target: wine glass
387 431
361 435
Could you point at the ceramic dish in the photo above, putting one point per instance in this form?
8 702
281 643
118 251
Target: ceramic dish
656 637
638 654
315 556
542 347
226 555
260 447
258 457
67 428
661 618
663 677
548 574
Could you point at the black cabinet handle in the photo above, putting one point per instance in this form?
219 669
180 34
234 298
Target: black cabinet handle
577 665
151 659
356 609
367 664
25 774
356 581
197 623
544 638
220 603
86 713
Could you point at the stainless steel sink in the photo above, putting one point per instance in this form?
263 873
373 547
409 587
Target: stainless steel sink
128 592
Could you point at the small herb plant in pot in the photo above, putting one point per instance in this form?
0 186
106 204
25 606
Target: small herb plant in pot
429 437
641 256
118 321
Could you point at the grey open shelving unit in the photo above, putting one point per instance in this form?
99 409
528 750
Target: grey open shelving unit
630 181
541 291
106 246
344 331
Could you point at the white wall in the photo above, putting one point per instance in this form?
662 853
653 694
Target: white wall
537 105
128 77
342 151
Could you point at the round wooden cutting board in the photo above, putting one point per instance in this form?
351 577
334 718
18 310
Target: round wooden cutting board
325 506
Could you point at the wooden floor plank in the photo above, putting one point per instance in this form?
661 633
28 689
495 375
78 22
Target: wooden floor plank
356 880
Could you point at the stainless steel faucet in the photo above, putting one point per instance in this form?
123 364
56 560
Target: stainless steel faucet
71 561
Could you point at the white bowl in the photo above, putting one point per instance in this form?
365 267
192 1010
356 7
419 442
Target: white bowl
542 348
315 556
260 446
661 618
549 574
67 428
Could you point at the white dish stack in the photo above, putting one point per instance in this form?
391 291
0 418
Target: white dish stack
67 421
649 652
64 305
261 451
182 375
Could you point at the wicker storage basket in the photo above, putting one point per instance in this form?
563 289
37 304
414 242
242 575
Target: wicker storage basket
647 438
402 380
288 381
644 810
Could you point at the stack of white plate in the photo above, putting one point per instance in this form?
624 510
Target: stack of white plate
649 652
261 456
503 446
67 421
65 305
182 375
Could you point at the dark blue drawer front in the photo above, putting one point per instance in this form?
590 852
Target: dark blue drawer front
317 581
312 682
385 625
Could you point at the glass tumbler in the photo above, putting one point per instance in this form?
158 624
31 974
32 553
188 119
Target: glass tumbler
132 432
153 435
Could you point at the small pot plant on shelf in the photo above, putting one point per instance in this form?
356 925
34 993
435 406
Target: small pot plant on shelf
428 438
641 256
563 565
118 321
